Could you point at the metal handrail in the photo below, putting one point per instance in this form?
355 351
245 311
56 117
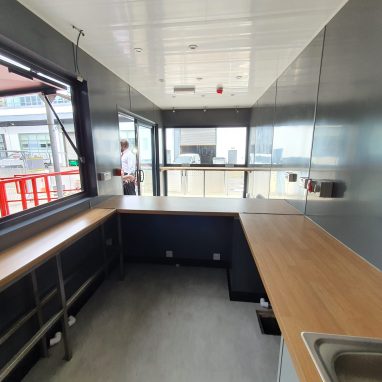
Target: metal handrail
20 182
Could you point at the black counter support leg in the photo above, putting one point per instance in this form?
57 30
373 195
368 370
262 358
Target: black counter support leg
120 242
44 347
104 251
65 324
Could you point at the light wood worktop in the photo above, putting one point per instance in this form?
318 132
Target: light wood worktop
200 168
21 258
314 283
196 206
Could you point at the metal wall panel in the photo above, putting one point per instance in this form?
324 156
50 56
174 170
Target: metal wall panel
262 121
210 117
28 35
260 144
294 119
142 106
348 132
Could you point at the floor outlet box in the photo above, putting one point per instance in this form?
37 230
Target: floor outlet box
216 256
169 254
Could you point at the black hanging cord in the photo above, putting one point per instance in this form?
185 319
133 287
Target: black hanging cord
81 158
75 49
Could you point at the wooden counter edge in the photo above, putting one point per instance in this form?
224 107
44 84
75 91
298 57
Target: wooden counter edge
27 267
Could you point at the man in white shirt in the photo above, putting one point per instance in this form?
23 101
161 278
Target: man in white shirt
128 161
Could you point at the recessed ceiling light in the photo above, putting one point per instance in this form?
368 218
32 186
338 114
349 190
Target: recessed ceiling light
138 50
192 46
239 77
199 78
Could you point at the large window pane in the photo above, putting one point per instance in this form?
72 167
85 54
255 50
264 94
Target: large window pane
206 146
37 163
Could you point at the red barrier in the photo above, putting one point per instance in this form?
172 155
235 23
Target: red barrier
21 183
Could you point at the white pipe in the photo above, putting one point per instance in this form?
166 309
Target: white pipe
53 143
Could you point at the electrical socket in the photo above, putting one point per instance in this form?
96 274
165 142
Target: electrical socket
169 253
216 256
109 242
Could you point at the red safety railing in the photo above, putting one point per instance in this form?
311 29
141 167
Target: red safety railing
27 187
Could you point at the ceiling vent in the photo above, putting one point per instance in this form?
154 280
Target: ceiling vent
184 89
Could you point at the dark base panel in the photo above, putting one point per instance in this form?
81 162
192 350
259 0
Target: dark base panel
175 261
243 296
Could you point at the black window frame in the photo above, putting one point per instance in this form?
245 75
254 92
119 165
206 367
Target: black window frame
82 128
136 119
166 164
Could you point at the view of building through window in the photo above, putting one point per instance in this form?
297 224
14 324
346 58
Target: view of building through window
37 163
208 147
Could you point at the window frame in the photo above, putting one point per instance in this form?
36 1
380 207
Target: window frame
166 164
246 155
82 129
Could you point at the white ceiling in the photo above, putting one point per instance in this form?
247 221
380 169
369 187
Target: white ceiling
254 39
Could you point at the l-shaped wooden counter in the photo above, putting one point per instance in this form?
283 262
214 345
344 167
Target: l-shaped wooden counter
313 281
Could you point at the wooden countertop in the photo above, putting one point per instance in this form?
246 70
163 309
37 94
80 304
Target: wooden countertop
202 168
314 283
21 258
170 205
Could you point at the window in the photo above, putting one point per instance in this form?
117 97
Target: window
206 146
211 148
38 164
3 147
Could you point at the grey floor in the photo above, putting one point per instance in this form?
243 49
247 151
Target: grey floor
168 324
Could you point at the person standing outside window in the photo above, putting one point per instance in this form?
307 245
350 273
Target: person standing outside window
128 161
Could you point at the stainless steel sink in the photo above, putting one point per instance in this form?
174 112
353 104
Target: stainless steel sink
344 358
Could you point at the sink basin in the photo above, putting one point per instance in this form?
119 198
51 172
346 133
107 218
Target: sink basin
344 358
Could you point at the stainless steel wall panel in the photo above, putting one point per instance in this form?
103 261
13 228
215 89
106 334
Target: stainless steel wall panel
296 98
347 145
261 131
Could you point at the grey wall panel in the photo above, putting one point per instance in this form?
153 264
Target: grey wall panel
260 143
210 117
348 133
140 105
26 34
296 98
262 121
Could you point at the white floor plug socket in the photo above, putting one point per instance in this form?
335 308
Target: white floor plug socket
56 339
71 321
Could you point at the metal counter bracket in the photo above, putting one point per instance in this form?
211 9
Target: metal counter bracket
40 335
65 323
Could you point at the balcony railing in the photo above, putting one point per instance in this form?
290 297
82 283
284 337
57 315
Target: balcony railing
205 181
21 192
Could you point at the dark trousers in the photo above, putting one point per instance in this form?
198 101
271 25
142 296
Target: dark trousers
129 188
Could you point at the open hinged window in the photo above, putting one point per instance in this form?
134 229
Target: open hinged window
39 157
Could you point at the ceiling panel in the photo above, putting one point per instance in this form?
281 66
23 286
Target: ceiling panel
253 39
